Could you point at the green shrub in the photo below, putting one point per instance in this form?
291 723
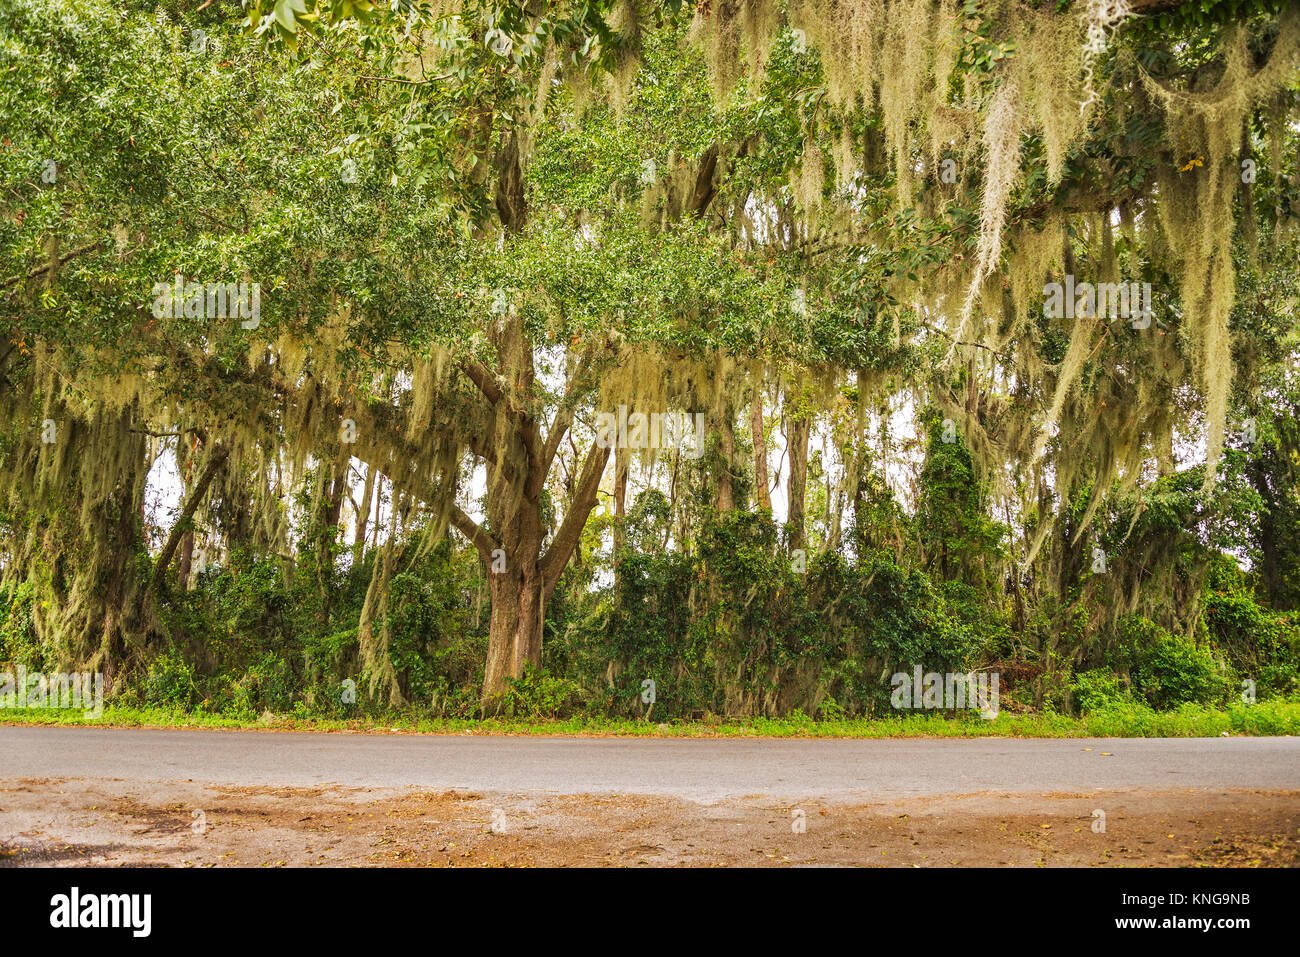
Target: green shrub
18 641
1259 644
1274 717
169 682
1094 690
536 694
268 685
1166 669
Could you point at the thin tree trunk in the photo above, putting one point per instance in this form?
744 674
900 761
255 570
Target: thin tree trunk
761 493
187 542
620 499
726 497
186 562
331 512
620 509
363 516
379 504
215 461
799 433
1164 448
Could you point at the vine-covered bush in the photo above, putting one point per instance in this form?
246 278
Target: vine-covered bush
1262 646
1167 669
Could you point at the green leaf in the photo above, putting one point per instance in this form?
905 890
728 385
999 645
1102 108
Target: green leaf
284 15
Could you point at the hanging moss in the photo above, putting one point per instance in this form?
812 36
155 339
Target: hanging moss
1196 200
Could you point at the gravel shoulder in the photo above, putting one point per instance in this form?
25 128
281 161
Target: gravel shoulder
79 821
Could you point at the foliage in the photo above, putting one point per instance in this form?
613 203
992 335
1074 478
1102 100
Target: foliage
1166 669
1095 690
820 228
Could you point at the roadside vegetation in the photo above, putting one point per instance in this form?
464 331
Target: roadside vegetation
258 650
818 239
1123 719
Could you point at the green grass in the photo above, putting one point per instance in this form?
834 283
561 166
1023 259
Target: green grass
1123 720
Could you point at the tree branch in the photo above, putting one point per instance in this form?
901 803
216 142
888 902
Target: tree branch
584 500
89 247
563 420
478 537
481 377
215 461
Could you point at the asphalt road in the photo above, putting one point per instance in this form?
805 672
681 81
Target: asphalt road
698 769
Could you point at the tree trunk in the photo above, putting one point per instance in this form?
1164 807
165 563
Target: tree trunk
726 497
1164 449
215 461
1270 571
799 433
521 576
620 499
331 512
186 561
515 633
761 494
363 516
620 508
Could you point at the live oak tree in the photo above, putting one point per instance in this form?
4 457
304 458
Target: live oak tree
477 225
362 348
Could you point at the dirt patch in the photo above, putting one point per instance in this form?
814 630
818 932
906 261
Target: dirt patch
71 822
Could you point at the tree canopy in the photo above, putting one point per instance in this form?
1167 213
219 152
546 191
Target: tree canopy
472 234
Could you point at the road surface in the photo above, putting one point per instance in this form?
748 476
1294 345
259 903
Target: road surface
694 769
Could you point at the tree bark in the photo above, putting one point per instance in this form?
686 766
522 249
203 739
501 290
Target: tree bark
799 433
363 516
215 461
620 509
186 562
331 512
761 494
519 591
726 496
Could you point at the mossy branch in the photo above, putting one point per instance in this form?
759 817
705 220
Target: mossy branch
217 459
